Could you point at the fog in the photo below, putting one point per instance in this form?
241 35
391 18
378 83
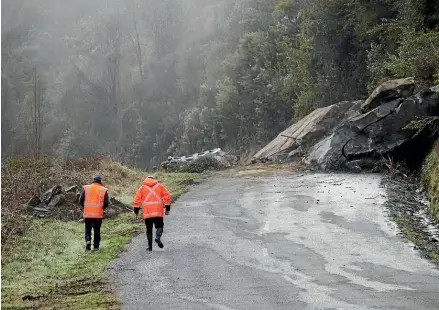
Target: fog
143 80
104 69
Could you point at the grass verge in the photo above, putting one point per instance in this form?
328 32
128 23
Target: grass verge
430 179
404 208
49 268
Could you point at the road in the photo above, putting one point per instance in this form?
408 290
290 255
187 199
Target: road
283 241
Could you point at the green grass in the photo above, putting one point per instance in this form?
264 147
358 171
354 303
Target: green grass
123 182
430 179
50 268
402 203
418 237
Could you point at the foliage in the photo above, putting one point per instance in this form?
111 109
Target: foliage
140 80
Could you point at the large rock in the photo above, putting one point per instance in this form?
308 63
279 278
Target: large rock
48 195
297 138
34 201
71 197
73 189
389 91
376 133
57 201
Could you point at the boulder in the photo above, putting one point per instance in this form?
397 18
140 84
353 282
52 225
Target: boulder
364 163
73 189
34 201
376 133
48 195
389 91
57 200
41 209
300 136
71 197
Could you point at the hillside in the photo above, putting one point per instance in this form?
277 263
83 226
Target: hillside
140 80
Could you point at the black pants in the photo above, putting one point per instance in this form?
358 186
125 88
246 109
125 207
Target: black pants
158 223
94 224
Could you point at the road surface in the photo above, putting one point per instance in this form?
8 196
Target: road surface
313 241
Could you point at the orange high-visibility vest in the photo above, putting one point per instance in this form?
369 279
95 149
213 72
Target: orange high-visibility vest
152 205
94 195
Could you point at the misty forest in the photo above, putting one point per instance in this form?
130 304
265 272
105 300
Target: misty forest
141 80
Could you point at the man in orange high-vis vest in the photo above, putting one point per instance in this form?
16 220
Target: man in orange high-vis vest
152 197
94 200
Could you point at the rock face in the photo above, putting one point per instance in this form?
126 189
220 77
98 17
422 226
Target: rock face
389 91
303 134
374 134
341 137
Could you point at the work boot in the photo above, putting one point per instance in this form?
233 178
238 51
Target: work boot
96 248
88 246
149 249
159 243
158 236
149 237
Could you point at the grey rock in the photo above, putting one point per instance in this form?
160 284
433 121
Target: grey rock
364 163
71 197
376 133
48 195
41 209
355 169
57 200
73 188
389 91
307 131
34 201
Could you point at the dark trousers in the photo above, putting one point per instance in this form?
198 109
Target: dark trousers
94 224
158 223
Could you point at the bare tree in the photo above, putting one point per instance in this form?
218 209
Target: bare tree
132 8
36 114
114 37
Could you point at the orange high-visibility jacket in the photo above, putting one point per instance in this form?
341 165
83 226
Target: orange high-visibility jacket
94 195
152 197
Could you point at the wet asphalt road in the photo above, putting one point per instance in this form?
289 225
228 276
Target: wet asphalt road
314 241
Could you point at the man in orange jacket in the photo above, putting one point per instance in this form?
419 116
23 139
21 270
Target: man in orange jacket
152 197
94 200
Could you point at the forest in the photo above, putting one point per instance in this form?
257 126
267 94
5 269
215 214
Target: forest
139 80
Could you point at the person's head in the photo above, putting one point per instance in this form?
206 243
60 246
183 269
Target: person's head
150 177
97 179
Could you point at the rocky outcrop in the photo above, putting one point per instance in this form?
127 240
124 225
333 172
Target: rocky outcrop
296 139
389 91
341 137
374 134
